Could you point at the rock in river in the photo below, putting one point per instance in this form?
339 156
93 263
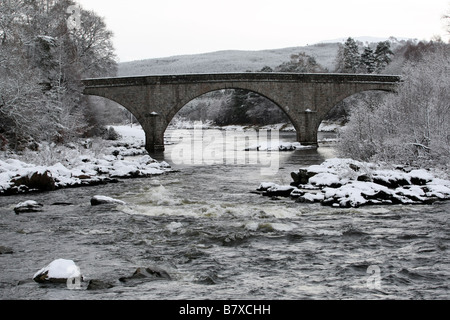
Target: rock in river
5 250
98 200
28 206
149 273
58 271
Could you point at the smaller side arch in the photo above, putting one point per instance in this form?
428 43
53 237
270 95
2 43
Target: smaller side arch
325 110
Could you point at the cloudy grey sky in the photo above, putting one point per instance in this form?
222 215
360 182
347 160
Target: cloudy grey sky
154 28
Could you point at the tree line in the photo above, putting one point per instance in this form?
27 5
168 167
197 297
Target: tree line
412 126
43 56
373 58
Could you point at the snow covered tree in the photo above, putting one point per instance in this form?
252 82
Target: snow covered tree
350 56
411 127
41 63
383 55
349 59
368 61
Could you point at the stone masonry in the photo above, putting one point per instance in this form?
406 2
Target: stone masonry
305 98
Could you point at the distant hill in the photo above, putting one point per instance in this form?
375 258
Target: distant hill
241 61
368 39
228 61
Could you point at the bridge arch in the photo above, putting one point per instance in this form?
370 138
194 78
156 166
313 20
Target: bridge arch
347 96
176 109
305 98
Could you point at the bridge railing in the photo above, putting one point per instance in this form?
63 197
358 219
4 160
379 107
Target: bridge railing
241 77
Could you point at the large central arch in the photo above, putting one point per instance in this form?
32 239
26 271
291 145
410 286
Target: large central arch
305 98
176 109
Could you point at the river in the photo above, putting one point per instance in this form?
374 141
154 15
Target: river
218 240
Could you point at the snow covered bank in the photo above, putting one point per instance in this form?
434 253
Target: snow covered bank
349 183
325 126
91 166
20 177
209 125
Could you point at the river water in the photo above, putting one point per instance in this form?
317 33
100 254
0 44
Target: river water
218 240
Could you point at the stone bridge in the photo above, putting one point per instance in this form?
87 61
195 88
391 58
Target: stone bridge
305 98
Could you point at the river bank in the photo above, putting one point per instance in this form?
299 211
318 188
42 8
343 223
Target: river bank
86 163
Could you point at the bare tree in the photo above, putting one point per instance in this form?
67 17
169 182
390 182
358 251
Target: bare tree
411 127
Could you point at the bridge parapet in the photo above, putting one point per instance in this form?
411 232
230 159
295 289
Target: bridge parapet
241 77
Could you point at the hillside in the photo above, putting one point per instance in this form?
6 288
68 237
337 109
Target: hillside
228 61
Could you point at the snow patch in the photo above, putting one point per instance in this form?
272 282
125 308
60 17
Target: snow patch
60 269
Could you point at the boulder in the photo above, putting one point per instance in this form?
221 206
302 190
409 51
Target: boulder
37 181
28 206
100 200
391 183
58 271
301 177
5 250
98 285
279 191
364 178
264 186
148 273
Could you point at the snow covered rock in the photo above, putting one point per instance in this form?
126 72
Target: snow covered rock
266 185
42 181
349 183
99 200
58 271
270 189
28 206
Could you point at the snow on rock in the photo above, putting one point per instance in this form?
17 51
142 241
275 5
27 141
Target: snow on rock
270 189
28 206
266 185
58 271
20 177
325 179
99 200
350 183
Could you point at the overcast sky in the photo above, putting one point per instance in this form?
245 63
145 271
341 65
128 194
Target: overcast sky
161 28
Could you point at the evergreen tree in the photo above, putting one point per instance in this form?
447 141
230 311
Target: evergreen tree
368 62
351 56
383 55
